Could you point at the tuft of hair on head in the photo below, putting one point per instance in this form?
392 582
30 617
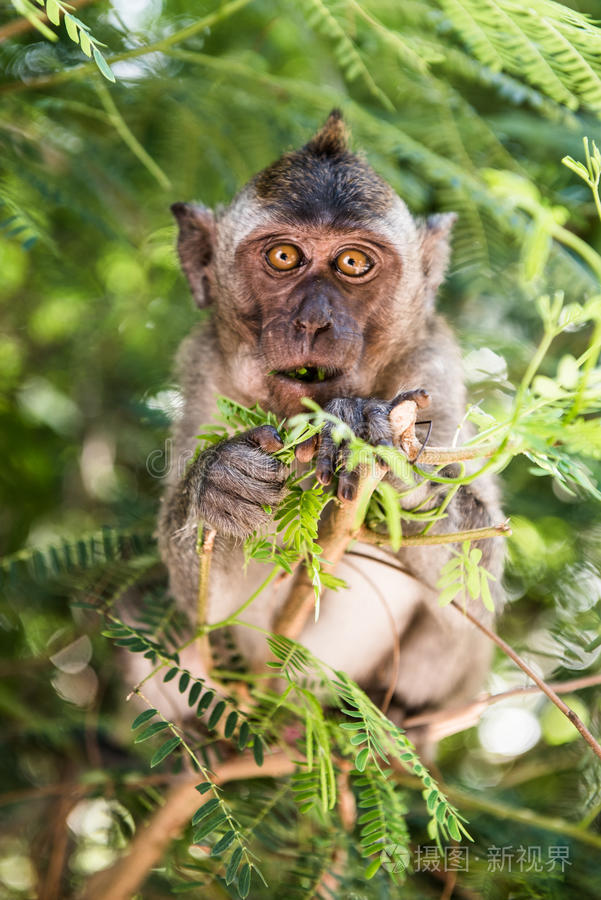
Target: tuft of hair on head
332 138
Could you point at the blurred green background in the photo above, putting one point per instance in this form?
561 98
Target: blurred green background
93 307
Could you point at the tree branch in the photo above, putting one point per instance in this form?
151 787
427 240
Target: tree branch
204 549
545 688
124 878
335 534
449 721
367 536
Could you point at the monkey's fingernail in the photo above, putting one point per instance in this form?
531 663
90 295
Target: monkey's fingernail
347 491
305 451
323 473
266 437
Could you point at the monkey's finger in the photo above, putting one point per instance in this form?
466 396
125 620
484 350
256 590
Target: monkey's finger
232 514
420 397
266 437
262 487
327 456
305 451
348 482
244 462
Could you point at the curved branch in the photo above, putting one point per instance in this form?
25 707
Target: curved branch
124 878
545 688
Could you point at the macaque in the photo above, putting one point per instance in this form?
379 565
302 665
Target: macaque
321 284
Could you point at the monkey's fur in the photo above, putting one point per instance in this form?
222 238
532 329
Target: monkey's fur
374 335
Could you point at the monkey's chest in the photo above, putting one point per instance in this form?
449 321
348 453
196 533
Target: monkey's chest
357 626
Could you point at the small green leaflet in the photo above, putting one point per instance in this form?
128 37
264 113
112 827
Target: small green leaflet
164 751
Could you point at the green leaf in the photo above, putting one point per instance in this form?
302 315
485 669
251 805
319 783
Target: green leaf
473 582
72 29
233 865
208 825
53 12
244 881
205 810
243 736
485 593
223 843
258 750
103 65
150 731
230 724
85 42
204 702
143 717
164 751
203 787
194 693
449 594
170 674
361 759
453 828
184 682
372 868
216 714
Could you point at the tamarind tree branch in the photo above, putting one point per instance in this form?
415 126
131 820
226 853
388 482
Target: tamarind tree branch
543 686
474 710
442 456
204 549
367 536
335 534
123 879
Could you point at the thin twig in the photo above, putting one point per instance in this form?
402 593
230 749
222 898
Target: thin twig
478 706
123 879
443 456
367 536
550 693
542 686
204 548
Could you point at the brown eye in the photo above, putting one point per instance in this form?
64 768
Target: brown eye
284 257
353 262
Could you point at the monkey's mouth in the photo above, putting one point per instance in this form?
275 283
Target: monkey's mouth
308 374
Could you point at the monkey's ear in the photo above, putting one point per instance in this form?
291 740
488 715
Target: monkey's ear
436 250
195 246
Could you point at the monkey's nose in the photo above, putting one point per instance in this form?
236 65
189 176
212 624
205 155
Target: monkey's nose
312 327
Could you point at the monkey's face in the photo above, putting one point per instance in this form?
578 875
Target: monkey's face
316 303
319 278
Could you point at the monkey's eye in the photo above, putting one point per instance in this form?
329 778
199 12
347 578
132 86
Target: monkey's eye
284 257
353 262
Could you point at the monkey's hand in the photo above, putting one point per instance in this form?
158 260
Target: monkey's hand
370 420
233 486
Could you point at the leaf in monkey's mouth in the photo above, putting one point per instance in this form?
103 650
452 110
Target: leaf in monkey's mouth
308 374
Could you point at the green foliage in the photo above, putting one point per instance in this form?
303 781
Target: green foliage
462 575
77 30
381 820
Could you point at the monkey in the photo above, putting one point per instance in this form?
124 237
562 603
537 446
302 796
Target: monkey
320 283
